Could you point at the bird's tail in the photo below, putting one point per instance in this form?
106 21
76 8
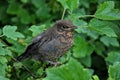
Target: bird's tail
22 56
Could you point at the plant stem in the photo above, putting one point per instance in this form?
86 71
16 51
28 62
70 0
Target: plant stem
2 35
63 14
86 16
25 67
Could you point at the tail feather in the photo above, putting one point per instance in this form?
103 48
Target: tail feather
22 56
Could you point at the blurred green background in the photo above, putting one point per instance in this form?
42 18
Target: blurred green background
95 54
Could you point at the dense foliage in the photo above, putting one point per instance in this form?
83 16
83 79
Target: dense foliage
96 51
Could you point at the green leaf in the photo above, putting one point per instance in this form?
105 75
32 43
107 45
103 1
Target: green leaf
85 3
64 3
88 31
16 46
113 57
106 11
95 77
86 61
99 48
81 47
10 32
3 60
38 3
18 65
40 71
82 26
13 8
5 51
69 4
72 4
37 29
0 32
109 41
24 1
43 13
114 71
25 16
43 10
3 78
102 27
73 70
1 44
2 69
66 57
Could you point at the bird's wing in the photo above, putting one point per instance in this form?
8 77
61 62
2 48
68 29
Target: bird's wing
37 43
33 46
50 46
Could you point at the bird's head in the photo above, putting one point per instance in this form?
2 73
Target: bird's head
65 25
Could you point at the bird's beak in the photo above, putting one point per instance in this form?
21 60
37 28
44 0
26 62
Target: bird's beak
74 27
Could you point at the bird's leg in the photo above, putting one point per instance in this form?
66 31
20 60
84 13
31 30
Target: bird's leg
54 63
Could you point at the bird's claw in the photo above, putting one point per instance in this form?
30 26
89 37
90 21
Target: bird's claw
54 63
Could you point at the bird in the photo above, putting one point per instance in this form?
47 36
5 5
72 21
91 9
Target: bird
51 44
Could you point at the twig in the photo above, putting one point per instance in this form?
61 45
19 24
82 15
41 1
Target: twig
63 14
86 16
25 68
2 35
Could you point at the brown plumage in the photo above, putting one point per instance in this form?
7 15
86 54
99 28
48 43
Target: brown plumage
52 43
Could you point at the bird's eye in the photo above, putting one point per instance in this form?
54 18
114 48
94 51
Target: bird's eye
65 27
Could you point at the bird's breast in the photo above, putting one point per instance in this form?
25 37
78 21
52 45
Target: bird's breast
66 38
66 42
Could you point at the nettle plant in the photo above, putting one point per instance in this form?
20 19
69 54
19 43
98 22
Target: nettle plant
96 51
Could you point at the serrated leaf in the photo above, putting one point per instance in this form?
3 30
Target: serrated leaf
72 4
38 3
99 48
13 8
81 47
64 3
10 32
109 41
113 57
2 69
95 77
18 65
3 78
80 23
0 32
40 71
88 31
86 61
1 44
43 12
25 17
36 29
5 51
16 46
68 72
114 71
102 27
106 11
24 1
82 27
3 60
69 4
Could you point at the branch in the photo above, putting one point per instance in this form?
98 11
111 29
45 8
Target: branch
2 35
63 14
25 68
86 16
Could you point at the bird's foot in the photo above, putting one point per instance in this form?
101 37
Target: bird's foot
54 63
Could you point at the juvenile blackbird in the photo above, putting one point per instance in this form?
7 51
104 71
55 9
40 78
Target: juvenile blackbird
51 44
